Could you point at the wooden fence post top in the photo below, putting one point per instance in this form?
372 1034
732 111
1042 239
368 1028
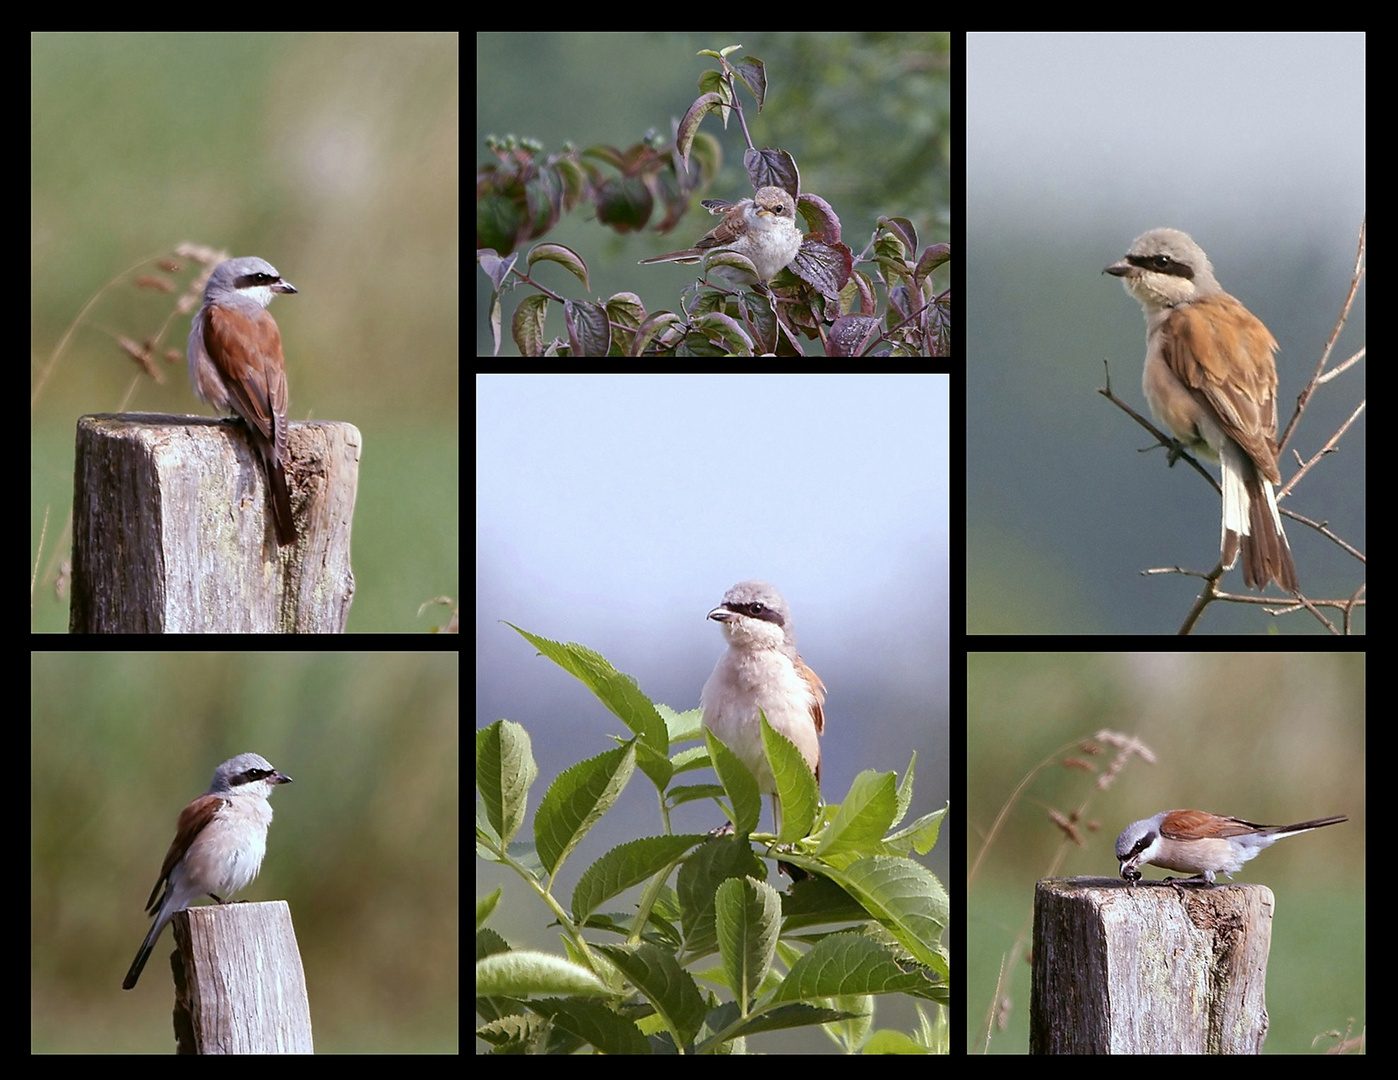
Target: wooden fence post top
172 529
240 986
1149 968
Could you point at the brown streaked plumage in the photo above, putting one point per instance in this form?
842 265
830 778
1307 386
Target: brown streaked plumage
763 229
1210 377
236 365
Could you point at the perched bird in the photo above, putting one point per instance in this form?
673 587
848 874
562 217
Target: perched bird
1210 378
219 843
761 670
236 365
1200 843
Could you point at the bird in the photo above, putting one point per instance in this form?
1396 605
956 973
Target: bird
236 365
761 670
763 229
220 839
1211 378
1201 843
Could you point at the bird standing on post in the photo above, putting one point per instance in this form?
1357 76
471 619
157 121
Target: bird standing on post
236 365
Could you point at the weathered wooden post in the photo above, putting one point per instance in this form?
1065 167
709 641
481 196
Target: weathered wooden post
1149 969
170 530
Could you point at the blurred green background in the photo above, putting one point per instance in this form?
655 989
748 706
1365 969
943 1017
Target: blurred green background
1271 738
363 844
332 156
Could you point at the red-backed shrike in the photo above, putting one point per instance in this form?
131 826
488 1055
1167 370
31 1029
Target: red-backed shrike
1211 379
763 229
219 843
1201 844
761 670
236 365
